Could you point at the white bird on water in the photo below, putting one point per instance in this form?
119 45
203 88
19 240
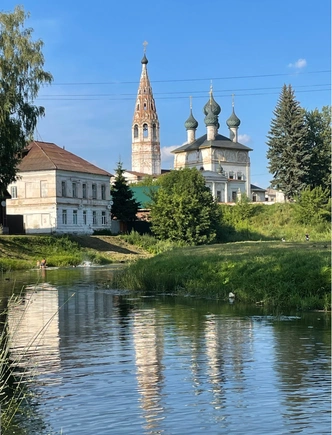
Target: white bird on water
231 295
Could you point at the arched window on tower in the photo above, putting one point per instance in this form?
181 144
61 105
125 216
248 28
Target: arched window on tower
144 106
154 132
145 130
135 130
152 106
137 107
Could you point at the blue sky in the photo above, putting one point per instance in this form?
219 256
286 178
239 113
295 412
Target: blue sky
248 48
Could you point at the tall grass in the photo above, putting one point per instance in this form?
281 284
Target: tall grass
274 274
14 394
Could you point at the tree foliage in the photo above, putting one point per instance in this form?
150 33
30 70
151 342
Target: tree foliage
319 140
313 206
124 206
288 153
183 209
21 75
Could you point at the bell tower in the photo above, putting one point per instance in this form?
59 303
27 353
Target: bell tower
145 155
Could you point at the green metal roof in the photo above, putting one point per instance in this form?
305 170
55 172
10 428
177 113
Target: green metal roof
219 142
140 193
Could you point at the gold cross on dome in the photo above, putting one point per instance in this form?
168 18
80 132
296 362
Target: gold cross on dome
145 43
191 104
232 100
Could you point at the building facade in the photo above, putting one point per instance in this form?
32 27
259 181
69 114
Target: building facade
58 192
223 161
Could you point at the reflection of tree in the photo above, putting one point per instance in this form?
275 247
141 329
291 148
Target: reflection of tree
303 363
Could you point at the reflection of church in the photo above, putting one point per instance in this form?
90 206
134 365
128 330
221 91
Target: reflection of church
223 161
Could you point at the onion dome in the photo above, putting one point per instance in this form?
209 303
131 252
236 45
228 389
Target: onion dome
215 108
144 60
211 118
233 120
191 122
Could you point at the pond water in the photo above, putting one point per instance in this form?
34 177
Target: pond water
110 362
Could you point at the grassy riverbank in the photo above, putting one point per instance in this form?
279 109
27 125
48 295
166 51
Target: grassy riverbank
284 275
23 252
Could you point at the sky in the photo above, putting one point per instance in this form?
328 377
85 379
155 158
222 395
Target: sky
247 48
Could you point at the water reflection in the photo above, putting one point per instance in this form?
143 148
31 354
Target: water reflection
110 362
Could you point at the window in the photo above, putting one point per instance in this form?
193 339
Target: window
63 188
13 192
84 217
43 189
103 217
145 130
74 217
137 108
234 195
231 175
94 218
144 106
239 175
64 217
103 191
94 191
136 130
218 195
74 189
84 191
154 132
254 197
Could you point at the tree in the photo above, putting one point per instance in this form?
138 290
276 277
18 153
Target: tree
183 209
313 206
21 75
288 152
319 141
124 206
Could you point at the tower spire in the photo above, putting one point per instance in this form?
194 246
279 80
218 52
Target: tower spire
145 156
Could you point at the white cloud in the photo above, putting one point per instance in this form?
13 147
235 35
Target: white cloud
244 139
167 157
299 64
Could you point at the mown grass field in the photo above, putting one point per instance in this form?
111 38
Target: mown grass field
23 252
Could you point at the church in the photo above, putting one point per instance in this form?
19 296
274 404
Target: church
223 161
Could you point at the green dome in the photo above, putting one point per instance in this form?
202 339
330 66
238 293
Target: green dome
144 60
191 122
216 109
211 118
233 120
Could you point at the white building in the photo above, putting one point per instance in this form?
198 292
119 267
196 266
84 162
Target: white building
224 162
58 192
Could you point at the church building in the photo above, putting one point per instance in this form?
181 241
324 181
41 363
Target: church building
145 129
223 161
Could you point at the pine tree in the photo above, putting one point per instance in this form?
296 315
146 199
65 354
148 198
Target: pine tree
124 206
319 141
288 153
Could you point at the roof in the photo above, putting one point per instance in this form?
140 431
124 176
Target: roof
141 195
41 156
256 188
219 142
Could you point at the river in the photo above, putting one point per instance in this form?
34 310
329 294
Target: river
110 362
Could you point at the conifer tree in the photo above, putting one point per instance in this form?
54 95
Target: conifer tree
288 153
319 141
124 206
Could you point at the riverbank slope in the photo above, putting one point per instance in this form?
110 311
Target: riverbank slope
279 274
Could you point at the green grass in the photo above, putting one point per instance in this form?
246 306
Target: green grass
23 252
292 275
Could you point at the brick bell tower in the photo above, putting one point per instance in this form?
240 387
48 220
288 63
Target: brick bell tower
145 156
